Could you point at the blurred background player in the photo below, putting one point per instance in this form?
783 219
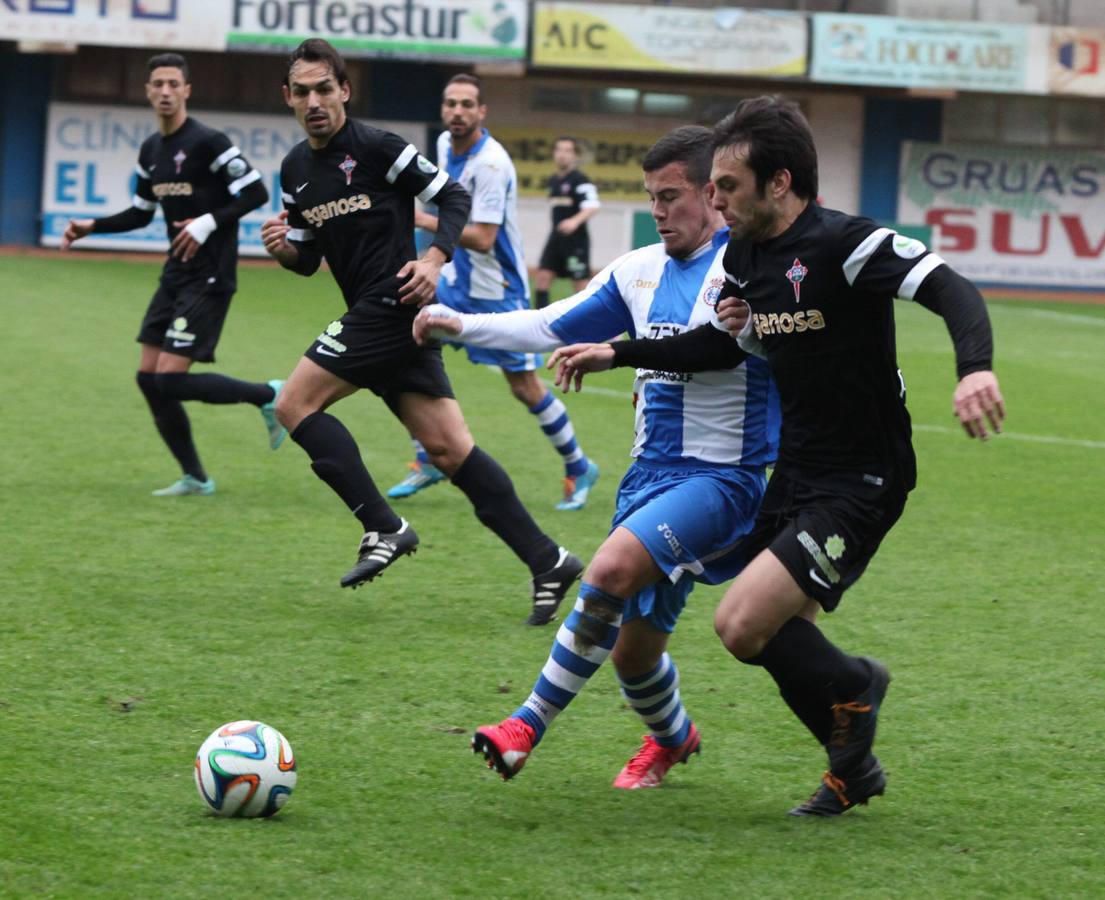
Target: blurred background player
574 200
696 480
349 192
488 274
204 186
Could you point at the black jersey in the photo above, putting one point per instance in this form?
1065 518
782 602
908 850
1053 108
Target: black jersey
821 298
192 172
352 202
570 193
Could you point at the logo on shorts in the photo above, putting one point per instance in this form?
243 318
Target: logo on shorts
820 557
328 339
665 529
795 274
180 323
834 547
713 292
178 332
347 166
179 159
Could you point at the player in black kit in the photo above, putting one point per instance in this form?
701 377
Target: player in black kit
204 186
349 193
574 200
811 290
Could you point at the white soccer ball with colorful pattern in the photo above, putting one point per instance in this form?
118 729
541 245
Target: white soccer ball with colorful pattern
245 769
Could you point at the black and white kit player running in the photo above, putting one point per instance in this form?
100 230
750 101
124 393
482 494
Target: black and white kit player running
349 193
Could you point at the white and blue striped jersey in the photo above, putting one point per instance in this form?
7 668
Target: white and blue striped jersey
723 417
487 173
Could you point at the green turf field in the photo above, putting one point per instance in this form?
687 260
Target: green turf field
130 627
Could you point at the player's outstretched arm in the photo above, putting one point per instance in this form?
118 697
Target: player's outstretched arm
434 322
75 230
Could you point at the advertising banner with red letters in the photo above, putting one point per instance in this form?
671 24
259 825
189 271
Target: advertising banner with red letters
1010 215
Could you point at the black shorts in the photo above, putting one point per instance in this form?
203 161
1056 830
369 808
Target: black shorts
371 346
826 528
186 319
567 255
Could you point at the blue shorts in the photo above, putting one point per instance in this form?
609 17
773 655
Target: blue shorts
693 521
507 360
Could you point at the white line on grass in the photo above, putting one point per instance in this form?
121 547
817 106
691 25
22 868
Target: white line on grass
933 429
1048 314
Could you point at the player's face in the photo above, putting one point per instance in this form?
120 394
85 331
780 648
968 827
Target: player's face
317 99
751 214
564 156
461 111
684 219
167 91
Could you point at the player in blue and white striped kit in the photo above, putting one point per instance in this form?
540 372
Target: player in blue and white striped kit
693 490
487 274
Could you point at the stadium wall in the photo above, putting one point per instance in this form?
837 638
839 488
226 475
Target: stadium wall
25 85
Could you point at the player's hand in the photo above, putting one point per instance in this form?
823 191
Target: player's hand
733 313
75 230
977 401
418 278
575 360
274 235
428 321
567 227
184 245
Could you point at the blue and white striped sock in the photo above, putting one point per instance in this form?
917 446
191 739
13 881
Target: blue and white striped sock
420 454
654 696
552 416
571 663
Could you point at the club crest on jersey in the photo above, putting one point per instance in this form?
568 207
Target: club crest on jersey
795 274
347 166
179 159
711 294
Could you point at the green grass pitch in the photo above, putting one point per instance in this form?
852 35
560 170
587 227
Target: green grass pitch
131 626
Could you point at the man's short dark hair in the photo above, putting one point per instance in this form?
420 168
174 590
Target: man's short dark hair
777 136
465 78
689 145
567 138
168 60
318 50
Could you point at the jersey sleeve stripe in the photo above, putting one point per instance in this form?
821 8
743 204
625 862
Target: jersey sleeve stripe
401 162
300 234
251 176
287 198
142 203
590 196
434 186
917 274
854 264
140 172
223 158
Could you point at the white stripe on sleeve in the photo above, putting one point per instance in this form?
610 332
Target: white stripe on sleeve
140 172
409 152
251 176
287 198
590 196
430 191
854 264
223 158
300 234
142 203
917 274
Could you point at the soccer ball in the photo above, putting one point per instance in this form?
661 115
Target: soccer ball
245 769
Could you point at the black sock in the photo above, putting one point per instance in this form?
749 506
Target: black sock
336 459
542 298
812 673
489 489
173 425
211 387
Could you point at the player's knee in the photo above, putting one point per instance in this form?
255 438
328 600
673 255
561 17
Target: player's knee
739 638
611 574
631 661
290 409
